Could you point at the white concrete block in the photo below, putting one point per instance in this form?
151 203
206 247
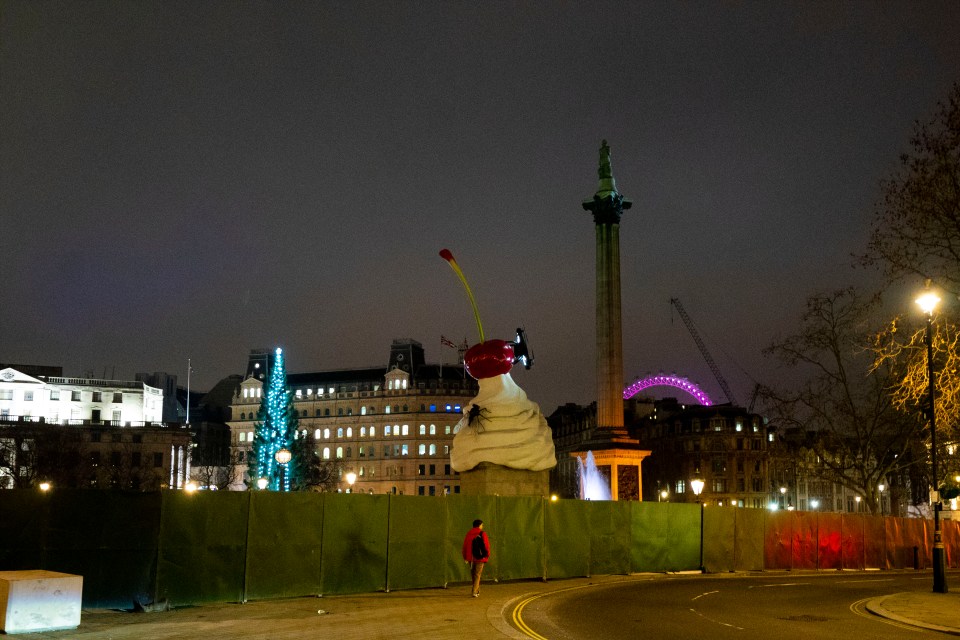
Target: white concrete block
38 600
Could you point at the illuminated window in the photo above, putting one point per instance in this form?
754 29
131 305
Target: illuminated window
340 432
404 450
404 383
422 450
326 433
363 411
349 432
406 429
386 409
446 451
449 408
373 431
245 393
433 407
386 430
249 436
54 394
433 449
446 429
243 436
330 390
681 487
363 432
299 393
433 429
326 453
423 429
339 453
309 392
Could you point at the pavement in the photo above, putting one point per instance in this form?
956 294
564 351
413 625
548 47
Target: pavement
434 613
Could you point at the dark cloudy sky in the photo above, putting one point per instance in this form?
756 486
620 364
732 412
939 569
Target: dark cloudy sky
195 179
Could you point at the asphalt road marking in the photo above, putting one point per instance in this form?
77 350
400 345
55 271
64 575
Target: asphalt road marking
859 608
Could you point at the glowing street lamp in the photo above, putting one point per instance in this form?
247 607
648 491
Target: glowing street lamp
283 457
928 303
880 488
44 486
697 485
262 483
663 495
351 477
814 503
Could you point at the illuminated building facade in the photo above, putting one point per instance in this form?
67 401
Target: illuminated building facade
87 432
392 426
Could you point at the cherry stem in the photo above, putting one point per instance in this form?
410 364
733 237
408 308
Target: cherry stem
446 255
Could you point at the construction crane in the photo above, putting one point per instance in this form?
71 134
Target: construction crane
703 351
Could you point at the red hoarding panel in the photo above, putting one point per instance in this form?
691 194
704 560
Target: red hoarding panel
777 539
898 555
830 541
851 540
874 543
804 539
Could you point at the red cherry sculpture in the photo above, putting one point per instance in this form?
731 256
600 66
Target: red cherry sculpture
489 359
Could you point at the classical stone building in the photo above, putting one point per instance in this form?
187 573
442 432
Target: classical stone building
725 446
391 425
87 432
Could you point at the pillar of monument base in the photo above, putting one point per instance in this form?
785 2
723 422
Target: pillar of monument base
495 480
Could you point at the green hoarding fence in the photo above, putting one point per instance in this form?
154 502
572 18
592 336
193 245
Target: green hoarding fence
192 548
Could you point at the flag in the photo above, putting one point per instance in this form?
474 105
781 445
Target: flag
447 343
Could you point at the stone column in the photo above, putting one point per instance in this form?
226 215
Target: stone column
607 207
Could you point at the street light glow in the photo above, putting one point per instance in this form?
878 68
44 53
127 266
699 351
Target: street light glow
928 301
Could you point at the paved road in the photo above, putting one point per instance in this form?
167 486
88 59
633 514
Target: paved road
783 606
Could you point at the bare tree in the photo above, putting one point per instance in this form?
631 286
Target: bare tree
916 229
841 395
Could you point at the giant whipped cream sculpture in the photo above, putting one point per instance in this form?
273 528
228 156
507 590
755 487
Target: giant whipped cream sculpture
502 426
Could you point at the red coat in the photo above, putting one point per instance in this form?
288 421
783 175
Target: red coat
468 545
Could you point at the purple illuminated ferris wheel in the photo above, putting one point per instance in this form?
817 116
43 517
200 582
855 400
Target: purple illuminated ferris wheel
662 380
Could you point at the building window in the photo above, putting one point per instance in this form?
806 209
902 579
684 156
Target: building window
97 396
339 453
370 452
406 429
446 429
433 429
326 453
433 449
54 394
6 394
404 450
681 487
340 432
433 407
422 449
363 410
317 434
349 432
373 431
28 396
421 469
423 429
326 434
75 396
386 409
118 398
326 412
243 437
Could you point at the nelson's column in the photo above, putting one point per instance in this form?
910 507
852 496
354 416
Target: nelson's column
617 456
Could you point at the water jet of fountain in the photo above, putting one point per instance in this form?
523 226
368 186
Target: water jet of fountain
593 486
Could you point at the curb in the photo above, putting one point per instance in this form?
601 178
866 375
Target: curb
875 606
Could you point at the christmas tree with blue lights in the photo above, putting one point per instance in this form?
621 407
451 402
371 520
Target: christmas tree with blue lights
275 431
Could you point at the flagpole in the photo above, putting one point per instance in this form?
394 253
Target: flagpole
441 357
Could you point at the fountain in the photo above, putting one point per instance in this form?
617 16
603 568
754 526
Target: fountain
593 486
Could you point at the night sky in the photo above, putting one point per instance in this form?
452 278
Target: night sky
196 179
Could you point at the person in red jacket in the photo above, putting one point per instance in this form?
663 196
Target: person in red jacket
476 553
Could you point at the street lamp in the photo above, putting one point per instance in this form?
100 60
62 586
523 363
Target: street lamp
283 457
880 488
814 503
783 497
697 485
262 483
662 495
351 478
928 302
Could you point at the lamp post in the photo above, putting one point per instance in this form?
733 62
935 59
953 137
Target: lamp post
283 457
262 483
783 497
662 495
351 477
880 488
928 302
697 485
